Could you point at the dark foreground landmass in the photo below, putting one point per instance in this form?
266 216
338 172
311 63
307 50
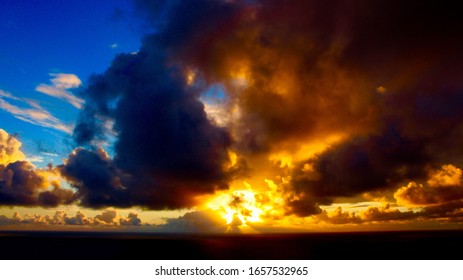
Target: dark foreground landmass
420 245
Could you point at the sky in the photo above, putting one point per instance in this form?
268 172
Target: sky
230 116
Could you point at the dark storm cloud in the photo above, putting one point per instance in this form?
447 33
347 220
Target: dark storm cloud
386 213
286 55
388 37
85 168
314 66
359 165
336 84
167 151
9 148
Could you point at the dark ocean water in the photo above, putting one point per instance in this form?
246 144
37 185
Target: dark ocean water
403 245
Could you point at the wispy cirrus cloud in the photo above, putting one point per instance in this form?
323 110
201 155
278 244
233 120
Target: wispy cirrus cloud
4 94
34 113
59 87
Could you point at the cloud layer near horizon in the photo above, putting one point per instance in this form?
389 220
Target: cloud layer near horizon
106 218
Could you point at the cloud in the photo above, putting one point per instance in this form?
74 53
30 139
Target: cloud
4 220
440 199
207 221
337 217
97 181
451 211
261 65
373 214
359 165
131 220
61 83
9 148
106 218
449 175
35 158
21 183
34 114
443 186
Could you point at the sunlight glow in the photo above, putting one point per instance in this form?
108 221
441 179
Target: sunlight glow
240 204
241 75
190 76
248 204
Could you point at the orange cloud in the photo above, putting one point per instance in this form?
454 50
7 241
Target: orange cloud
337 217
386 213
443 186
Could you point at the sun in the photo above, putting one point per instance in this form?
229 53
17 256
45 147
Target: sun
241 204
